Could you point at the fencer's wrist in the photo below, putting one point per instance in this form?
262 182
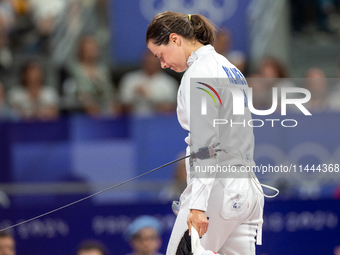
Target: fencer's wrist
196 210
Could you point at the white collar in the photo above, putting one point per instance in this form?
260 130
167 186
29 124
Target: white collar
200 52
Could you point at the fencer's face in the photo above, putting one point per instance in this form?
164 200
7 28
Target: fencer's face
171 55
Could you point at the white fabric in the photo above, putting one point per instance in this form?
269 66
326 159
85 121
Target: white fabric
215 196
228 232
206 63
20 99
196 247
161 88
43 9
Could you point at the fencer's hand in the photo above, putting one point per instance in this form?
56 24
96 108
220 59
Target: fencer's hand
199 221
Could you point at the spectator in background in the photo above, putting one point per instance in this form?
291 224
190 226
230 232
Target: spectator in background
6 25
7 244
271 74
222 45
33 100
92 247
6 112
44 15
94 87
317 84
311 16
275 75
223 42
323 97
262 92
148 90
144 236
24 35
270 67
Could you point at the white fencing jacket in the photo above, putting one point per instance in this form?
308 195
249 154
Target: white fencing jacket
236 140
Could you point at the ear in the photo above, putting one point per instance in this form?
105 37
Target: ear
175 39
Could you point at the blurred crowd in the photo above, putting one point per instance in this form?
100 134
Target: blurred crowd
315 15
143 235
36 83
42 79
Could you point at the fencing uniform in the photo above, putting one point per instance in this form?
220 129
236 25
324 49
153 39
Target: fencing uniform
234 206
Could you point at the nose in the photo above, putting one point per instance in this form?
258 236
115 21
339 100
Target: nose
164 65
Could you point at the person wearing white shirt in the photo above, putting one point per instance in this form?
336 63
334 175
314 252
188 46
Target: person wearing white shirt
231 207
149 90
33 100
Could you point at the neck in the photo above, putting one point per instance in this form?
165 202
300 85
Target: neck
193 47
196 46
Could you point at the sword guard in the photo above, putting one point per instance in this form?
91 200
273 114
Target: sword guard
206 152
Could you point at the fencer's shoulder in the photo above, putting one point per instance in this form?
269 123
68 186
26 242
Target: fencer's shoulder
201 68
205 63
208 65
204 66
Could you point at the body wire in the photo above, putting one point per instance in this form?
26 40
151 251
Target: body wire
94 194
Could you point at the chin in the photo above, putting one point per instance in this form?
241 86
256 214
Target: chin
174 69
179 70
